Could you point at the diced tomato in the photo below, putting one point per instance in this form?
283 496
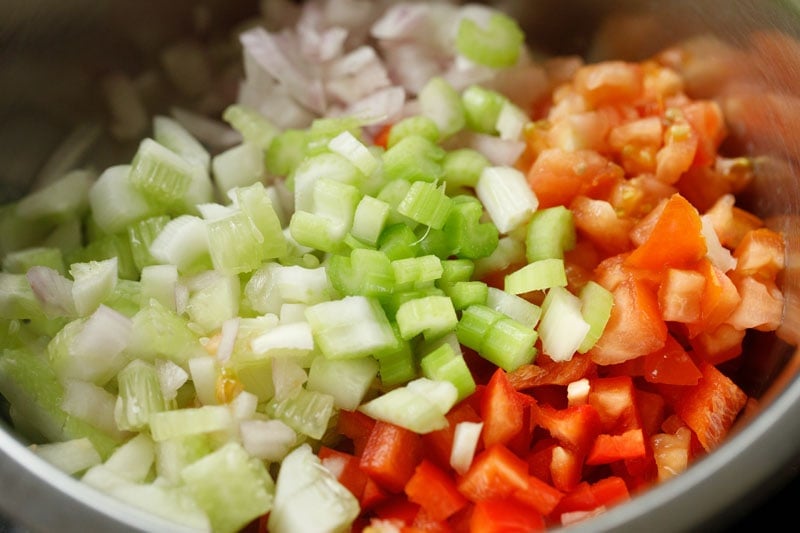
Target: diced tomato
502 411
671 365
760 307
502 516
558 176
390 456
496 473
614 401
435 491
705 117
708 408
678 152
609 82
680 295
635 327
720 298
609 448
718 345
731 223
662 249
761 252
597 220
651 410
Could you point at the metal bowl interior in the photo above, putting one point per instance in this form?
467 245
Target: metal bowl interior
53 53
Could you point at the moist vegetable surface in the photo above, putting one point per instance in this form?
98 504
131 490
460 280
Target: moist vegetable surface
413 279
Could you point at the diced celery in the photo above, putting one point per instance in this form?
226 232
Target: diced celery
256 377
64 198
139 395
330 166
255 202
509 344
352 149
509 252
159 332
432 316
317 231
539 275
17 299
17 233
467 236
550 233
562 327
297 284
93 282
399 364
482 107
286 151
305 411
161 175
414 158
369 219
463 167
352 327
92 404
398 241
475 323
71 456
309 498
184 243
467 293
134 459
336 200
596 304
365 272
495 45
19 262
419 406
444 364
427 204
234 244
507 197
159 282
514 306
285 340
232 487
239 166
173 454
254 127
416 271
170 133
440 102
511 122
414 125
190 421
141 235
347 380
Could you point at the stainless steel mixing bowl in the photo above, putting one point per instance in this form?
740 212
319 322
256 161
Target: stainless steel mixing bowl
52 54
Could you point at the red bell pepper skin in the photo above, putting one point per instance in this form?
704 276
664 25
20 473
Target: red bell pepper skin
610 448
437 444
504 516
501 409
390 455
495 474
346 468
435 491
356 426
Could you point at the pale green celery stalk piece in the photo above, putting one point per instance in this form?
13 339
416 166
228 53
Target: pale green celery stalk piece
317 231
463 167
347 380
159 282
440 102
513 306
91 349
256 377
509 344
126 298
139 396
305 411
352 149
261 291
183 242
369 219
92 404
176 423
115 202
133 460
309 498
562 327
336 200
141 235
173 454
297 284
233 243
255 202
32 388
466 293
17 299
414 125
414 158
18 233
507 197
214 301
432 316
539 275
445 364
19 262
331 166
254 127
239 166
416 271
496 45
285 340
159 332
596 304
93 283
419 408
352 327
170 133
426 204
67 236
482 107
232 487
509 252
397 365
58 201
550 233
72 456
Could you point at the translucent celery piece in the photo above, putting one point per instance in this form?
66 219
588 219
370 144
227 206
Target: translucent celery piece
420 410
305 411
159 332
466 293
35 394
161 175
239 166
255 202
254 127
108 247
139 396
326 165
414 158
233 244
173 454
17 233
171 133
432 316
463 167
474 325
346 380
21 261
427 204
93 283
466 235
482 106
596 304
256 377
352 327
232 487
550 233
496 45
336 200
190 421
317 231
369 219
115 202
141 235
285 340
64 198
286 151
509 252
414 125
514 306
507 197
352 149
509 344
159 282
539 275
17 300
398 364
445 364
183 242
364 272
300 284
440 102
71 456
398 241
308 497
416 271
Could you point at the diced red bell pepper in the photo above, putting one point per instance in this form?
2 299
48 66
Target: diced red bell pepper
437 444
614 400
346 468
539 495
496 473
651 410
708 408
390 456
503 516
610 448
587 497
397 508
435 491
548 372
502 411
575 427
671 365
356 426
566 468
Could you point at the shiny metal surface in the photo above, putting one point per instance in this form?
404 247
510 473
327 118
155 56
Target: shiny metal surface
53 53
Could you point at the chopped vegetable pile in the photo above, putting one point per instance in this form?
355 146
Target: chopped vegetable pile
412 279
